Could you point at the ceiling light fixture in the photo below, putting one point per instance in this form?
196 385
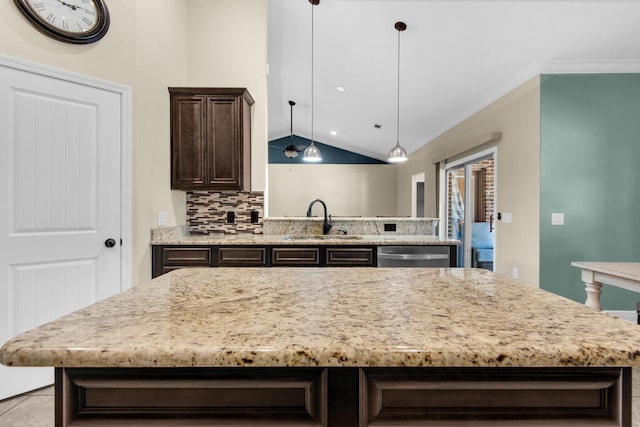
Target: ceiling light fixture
397 153
292 150
339 88
311 153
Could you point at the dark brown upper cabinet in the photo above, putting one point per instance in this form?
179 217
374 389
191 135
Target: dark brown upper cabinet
210 138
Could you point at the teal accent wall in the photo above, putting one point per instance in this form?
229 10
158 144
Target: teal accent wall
330 155
590 170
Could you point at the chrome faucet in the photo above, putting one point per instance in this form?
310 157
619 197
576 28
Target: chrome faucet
326 225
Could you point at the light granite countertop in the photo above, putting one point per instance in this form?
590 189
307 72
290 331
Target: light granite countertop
238 317
279 239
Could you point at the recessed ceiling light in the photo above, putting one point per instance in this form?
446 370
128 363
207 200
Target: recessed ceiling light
339 88
334 133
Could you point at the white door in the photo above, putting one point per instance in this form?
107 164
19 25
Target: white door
60 185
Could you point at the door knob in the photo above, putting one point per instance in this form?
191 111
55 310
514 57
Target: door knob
110 243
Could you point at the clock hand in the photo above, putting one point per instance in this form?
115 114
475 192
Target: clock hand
72 6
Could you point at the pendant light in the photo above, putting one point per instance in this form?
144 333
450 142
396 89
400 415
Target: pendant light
397 153
312 153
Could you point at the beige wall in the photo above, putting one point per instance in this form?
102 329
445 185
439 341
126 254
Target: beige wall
228 48
161 56
517 116
348 190
153 44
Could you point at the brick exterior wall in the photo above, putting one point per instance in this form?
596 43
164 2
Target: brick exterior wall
489 188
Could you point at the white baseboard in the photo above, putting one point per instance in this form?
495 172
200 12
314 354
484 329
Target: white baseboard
629 315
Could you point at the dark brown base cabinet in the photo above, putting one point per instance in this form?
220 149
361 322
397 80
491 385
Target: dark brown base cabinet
171 257
343 397
165 258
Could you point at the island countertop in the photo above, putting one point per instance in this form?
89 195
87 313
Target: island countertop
262 317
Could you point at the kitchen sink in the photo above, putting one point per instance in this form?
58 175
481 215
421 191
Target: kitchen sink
323 237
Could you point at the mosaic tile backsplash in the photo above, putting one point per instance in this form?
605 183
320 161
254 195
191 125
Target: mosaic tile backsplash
208 212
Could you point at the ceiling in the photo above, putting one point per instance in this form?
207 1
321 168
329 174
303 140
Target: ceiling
455 58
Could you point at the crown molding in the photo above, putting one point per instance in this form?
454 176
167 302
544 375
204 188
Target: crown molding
590 67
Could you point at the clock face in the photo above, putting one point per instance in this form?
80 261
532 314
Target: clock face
73 21
74 16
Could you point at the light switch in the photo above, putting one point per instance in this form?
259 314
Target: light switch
162 218
507 217
557 219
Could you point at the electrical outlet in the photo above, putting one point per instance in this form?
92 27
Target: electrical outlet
514 272
231 217
162 218
254 217
389 227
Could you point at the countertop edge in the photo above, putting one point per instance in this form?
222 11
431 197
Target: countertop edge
281 240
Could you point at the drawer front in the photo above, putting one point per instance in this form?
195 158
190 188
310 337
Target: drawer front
243 256
350 256
183 396
295 256
492 396
186 256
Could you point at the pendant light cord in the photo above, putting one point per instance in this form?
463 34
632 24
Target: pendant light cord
398 104
312 7
311 153
397 153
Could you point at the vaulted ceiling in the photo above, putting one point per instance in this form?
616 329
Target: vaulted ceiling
455 58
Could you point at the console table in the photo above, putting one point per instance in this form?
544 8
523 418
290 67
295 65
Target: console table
624 275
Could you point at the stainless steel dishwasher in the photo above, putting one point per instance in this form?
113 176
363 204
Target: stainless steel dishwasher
414 256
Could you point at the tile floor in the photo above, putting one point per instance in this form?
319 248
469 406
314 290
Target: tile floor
35 409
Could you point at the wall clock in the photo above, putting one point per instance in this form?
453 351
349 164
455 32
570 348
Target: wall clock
70 21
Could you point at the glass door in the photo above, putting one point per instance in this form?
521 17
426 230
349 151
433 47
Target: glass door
470 200
455 208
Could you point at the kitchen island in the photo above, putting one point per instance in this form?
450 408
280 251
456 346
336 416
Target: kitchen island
335 347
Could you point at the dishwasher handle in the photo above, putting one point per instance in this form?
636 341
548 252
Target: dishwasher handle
418 257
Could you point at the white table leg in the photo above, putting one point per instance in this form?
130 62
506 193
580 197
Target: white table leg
593 289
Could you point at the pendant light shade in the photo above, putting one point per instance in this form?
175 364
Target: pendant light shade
312 153
397 153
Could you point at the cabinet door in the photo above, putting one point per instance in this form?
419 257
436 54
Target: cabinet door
188 132
223 143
